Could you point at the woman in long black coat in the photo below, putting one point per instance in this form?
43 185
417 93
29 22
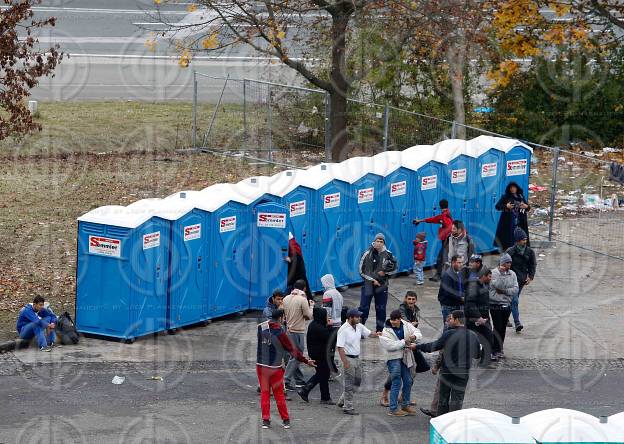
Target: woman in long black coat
514 209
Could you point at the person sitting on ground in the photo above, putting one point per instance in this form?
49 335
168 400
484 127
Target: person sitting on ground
446 222
36 321
275 301
460 346
398 340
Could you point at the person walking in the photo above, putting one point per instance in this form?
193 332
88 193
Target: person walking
523 263
503 287
446 221
460 243
273 342
452 287
296 266
475 264
459 346
332 302
377 264
514 210
298 310
420 255
348 345
398 340
477 312
318 340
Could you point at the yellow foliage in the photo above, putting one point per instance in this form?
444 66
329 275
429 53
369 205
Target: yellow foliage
185 59
158 2
210 42
150 44
281 35
192 7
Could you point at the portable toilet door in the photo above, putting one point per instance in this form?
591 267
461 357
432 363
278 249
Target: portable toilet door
518 164
397 202
187 304
229 242
332 215
461 188
489 187
301 205
270 246
122 273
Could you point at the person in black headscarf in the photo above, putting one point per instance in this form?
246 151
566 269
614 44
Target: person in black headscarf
296 266
514 209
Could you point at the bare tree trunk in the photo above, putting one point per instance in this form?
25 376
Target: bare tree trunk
339 85
456 60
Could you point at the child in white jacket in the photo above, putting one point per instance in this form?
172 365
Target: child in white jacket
398 340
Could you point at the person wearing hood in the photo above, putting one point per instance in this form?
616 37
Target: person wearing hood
460 243
503 287
514 209
36 321
298 310
445 220
377 264
275 301
523 263
319 339
332 302
296 266
398 341
420 255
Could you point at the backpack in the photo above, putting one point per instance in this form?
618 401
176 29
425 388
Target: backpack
66 330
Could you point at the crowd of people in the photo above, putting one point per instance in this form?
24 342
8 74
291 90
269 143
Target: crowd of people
476 303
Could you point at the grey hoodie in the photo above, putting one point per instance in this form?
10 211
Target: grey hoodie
507 282
332 299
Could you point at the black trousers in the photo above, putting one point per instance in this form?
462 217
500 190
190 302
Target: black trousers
441 259
499 315
320 377
484 332
452 391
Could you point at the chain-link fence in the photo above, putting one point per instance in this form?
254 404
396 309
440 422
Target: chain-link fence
571 198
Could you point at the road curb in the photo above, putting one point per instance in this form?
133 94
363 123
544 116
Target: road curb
13 345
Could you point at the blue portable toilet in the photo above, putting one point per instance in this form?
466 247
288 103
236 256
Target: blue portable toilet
122 272
269 271
366 189
489 187
186 304
431 184
460 170
301 204
333 209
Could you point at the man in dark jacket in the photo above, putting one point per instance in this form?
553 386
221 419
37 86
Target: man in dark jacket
452 288
36 321
273 303
319 340
273 342
460 346
477 312
523 263
376 266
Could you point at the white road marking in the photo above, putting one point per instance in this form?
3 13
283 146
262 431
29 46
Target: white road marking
103 11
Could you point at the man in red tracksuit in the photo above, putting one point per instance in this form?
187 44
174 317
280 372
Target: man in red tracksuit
273 343
446 224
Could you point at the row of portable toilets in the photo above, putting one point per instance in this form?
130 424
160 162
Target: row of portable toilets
561 426
161 264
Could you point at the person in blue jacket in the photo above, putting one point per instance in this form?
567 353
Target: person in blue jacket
34 320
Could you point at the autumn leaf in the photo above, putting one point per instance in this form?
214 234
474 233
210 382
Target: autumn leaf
210 42
192 7
185 59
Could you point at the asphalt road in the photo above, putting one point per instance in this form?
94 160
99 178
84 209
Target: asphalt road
108 57
213 402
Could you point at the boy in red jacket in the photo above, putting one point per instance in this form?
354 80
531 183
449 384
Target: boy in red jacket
420 253
446 224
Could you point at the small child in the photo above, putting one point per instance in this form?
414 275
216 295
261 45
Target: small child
420 252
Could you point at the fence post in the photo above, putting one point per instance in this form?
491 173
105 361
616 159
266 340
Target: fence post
270 122
327 128
194 130
553 193
385 131
454 130
244 113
